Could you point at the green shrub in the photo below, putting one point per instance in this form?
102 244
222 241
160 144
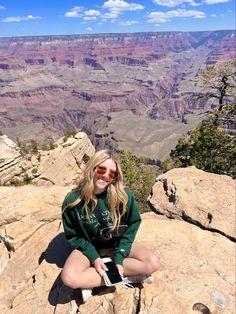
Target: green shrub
69 133
34 147
27 179
139 177
208 148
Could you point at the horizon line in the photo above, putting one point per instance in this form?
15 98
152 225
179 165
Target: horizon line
113 33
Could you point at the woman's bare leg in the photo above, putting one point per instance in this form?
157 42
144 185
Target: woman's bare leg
78 273
141 261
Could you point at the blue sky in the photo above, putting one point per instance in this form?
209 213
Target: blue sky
58 17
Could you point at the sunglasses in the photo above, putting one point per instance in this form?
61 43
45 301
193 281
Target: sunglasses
102 170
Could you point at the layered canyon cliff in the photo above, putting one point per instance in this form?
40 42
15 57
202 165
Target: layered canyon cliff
95 83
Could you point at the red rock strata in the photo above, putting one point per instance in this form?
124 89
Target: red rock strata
63 82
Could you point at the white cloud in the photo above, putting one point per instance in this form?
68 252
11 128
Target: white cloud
2 7
128 23
117 7
20 18
121 5
161 17
75 12
92 13
89 29
174 3
213 15
89 18
112 8
215 1
110 15
89 15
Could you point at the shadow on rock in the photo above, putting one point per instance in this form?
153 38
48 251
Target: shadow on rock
57 251
59 293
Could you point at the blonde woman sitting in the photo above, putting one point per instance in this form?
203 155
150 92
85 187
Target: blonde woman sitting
100 203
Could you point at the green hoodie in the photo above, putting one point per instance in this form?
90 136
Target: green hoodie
84 235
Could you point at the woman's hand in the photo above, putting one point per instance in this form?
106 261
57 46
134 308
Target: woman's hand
120 269
99 266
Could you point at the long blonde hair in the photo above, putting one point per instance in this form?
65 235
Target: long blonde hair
117 198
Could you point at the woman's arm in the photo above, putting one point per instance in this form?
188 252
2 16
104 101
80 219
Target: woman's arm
133 221
77 235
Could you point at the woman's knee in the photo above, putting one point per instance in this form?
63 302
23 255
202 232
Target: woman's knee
153 264
68 278
73 268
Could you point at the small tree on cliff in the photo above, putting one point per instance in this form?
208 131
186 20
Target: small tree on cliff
138 176
207 147
219 82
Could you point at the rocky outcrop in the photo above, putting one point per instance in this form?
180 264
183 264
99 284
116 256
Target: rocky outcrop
205 199
59 166
9 160
197 265
30 216
64 164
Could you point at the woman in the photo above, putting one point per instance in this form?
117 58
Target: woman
101 201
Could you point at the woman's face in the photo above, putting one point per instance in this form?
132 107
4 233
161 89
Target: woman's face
104 174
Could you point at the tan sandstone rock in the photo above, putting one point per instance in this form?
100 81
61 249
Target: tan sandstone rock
24 210
4 257
64 164
9 159
197 266
31 217
59 166
202 198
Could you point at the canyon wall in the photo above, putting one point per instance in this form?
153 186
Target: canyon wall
50 84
